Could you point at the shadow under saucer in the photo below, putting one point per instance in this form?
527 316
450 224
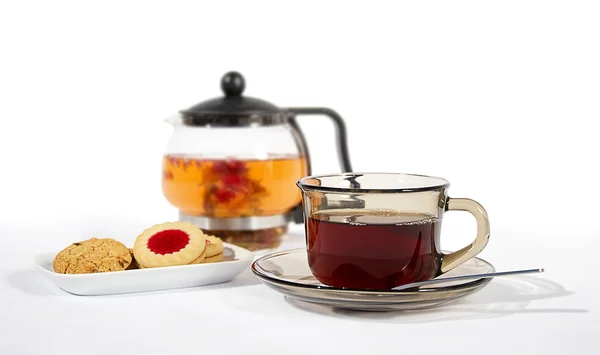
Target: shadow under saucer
501 297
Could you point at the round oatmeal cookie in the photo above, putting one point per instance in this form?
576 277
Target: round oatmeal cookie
170 244
92 256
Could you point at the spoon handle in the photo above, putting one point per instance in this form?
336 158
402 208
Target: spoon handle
467 277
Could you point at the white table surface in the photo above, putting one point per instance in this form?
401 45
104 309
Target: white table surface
500 98
551 313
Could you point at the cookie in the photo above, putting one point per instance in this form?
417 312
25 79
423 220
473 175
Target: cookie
214 259
214 246
134 265
200 259
92 256
170 244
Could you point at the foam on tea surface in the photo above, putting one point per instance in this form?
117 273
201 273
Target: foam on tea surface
368 217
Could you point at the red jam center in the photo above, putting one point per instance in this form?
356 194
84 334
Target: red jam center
168 241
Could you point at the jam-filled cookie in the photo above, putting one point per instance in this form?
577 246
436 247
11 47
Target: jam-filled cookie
169 244
214 249
92 256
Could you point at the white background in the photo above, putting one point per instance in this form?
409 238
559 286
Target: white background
501 98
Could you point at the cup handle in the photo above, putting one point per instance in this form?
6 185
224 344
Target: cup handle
452 260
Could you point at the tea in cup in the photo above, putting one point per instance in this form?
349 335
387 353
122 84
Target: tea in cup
382 230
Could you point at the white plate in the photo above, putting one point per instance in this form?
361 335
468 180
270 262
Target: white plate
235 261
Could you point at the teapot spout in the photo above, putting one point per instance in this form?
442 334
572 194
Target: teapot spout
173 120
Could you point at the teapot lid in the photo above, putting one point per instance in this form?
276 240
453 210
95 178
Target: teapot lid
233 109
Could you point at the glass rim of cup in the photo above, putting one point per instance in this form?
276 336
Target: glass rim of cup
436 183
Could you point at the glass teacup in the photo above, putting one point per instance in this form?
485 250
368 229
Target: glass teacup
382 230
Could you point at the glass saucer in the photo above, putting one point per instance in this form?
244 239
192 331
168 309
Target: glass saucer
287 272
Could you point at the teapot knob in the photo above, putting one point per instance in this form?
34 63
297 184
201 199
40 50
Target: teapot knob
233 84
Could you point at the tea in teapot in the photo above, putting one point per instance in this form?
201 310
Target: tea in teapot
232 163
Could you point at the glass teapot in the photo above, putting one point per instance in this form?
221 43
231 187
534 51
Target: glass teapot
232 163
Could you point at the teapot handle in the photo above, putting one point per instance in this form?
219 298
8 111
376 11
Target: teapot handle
342 142
297 213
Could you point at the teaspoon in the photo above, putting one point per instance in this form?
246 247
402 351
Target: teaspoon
466 277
